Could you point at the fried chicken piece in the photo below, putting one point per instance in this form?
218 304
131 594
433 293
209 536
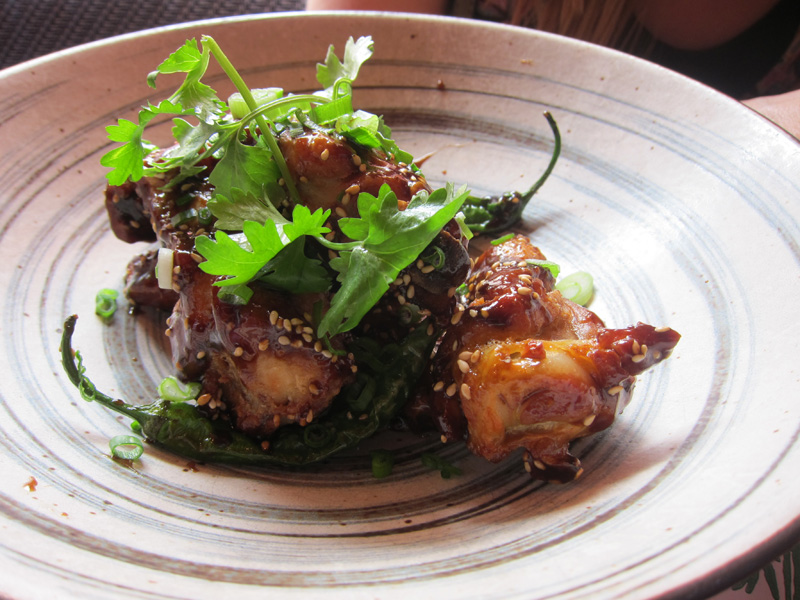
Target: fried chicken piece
523 367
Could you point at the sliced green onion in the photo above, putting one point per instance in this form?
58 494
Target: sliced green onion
183 217
174 390
105 303
184 199
436 463
262 96
545 264
578 287
382 463
238 295
127 447
204 216
505 238
436 258
461 219
164 268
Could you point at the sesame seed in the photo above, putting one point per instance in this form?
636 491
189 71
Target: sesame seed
526 279
276 420
539 465
524 291
345 199
589 420
313 388
340 211
324 154
201 355
401 300
466 393
353 189
354 368
439 386
310 415
443 438
420 263
476 356
284 341
635 347
455 345
297 344
410 293
427 269
318 346
238 351
356 160
451 390
637 358
430 329
644 348
303 179
484 312
263 345
203 400
362 167
326 354
465 355
463 366
656 355
456 318
473 313
307 338
613 391
168 332
451 292
527 466
662 329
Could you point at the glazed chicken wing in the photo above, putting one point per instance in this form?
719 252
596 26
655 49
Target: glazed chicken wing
523 367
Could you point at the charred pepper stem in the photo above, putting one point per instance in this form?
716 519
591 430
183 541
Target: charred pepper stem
492 214
180 428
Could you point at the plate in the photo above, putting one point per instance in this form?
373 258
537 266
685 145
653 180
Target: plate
682 204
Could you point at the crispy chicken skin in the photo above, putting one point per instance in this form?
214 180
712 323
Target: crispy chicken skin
522 367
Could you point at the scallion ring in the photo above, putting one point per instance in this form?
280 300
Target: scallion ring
382 463
127 447
578 287
176 391
105 303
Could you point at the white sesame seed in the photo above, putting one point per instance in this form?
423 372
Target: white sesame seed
204 399
463 365
662 329
466 393
589 420
356 160
473 313
439 386
340 211
201 355
313 388
613 391
637 358
410 293
427 269
451 390
353 189
324 154
465 355
263 345
456 318
539 465
443 438
284 341
476 356
273 317
524 290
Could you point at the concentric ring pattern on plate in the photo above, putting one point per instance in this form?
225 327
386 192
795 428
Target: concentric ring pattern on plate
680 202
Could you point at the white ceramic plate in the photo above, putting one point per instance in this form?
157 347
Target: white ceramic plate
681 203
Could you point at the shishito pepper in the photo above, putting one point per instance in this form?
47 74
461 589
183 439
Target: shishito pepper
179 427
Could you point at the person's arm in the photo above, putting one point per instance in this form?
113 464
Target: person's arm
783 110
699 24
412 6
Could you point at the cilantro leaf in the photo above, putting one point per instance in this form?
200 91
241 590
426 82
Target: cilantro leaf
244 167
292 271
231 213
242 259
387 241
355 54
127 160
192 92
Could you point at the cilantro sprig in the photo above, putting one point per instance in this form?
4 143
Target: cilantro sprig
254 240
